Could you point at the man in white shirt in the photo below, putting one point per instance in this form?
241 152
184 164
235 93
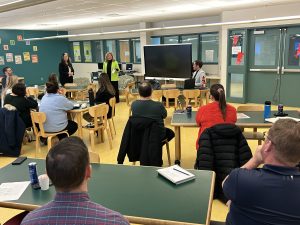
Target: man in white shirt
199 74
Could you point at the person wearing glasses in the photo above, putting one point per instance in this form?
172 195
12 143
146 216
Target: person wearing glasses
269 194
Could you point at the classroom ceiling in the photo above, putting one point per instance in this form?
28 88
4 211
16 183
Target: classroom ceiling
78 14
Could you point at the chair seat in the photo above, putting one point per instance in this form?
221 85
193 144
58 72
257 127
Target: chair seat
52 134
253 135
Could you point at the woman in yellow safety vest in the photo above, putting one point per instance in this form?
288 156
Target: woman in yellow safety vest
111 67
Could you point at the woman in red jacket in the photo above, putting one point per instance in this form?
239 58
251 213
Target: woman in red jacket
216 112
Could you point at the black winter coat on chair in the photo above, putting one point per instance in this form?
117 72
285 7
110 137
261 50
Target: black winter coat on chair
141 141
221 149
12 131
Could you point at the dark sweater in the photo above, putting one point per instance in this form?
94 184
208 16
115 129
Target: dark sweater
64 73
103 97
221 149
150 109
23 105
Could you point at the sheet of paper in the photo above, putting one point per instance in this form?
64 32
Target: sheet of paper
236 49
12 191
242 116
209 55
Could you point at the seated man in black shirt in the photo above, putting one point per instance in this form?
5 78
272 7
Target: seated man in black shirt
268 195
146 107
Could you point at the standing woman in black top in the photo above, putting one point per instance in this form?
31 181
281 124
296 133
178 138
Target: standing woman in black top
66 71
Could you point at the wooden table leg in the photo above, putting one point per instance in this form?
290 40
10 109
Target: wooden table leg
177 143
207 97
79 122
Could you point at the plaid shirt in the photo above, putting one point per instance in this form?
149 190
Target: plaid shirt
73 208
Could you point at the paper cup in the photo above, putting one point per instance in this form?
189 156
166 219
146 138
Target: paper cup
44 182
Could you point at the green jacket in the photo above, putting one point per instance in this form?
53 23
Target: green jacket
114 70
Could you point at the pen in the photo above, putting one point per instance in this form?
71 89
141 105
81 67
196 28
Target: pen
181 171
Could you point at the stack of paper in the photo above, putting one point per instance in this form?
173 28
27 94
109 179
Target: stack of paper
176 174
274 119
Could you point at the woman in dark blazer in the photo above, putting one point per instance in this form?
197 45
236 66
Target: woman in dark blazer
66 71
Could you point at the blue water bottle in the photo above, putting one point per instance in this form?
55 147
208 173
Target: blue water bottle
267 111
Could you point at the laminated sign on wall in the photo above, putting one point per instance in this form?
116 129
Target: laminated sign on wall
76 50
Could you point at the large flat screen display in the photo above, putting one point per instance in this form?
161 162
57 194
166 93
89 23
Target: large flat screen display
168 61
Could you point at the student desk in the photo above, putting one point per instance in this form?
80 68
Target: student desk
256 120
137 192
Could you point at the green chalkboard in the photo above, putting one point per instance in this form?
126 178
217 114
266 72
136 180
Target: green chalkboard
48 52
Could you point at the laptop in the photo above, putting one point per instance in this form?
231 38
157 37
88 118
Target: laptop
189 84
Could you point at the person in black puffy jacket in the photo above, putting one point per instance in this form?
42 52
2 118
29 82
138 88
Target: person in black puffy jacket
221 149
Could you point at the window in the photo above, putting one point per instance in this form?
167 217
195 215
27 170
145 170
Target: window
209 47
98 51
155 41
171 40
124 51
110 46
136 50
194 40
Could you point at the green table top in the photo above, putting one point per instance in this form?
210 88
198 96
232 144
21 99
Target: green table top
133 191
256 119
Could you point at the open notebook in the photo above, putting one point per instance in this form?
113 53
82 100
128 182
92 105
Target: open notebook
176 174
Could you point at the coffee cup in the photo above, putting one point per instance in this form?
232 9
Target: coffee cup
44 182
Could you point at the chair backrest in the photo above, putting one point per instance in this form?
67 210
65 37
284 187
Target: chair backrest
99 112
128 88
112 103
157 95
32 91
94 157
173 93
246 108
168 86
38 118
191 94
70 85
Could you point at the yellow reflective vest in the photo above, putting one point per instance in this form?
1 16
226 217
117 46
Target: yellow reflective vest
114 70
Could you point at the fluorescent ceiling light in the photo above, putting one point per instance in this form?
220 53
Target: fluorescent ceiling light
12 2
168 28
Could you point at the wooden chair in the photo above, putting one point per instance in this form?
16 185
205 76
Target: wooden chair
254 135
191 94
32 91
173 93
168 86
157 95
40 118
70 86
83 95
168 152
99 112
94 157
128 94
111 123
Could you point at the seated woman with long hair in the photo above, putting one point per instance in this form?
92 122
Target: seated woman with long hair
23 104
216 112
105 92
10 82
